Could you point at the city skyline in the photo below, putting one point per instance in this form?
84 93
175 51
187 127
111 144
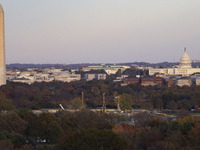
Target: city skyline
112 31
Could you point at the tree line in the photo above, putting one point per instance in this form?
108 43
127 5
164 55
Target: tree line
50 95
21 129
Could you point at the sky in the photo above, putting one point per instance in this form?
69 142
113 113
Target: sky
101 31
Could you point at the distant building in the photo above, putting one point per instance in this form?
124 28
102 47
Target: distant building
197 81
195 61
23 80
53 70
89 77
46 75
184 81
147 81
11 74
171 81
41 77
184 68
67 77
181 81
109 69
121 78
131 80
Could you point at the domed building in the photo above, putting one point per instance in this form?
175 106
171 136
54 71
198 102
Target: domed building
184 69
185 61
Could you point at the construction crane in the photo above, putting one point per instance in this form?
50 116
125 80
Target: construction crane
104 103
82 99
118 103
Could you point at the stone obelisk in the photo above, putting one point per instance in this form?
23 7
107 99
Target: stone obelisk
2 49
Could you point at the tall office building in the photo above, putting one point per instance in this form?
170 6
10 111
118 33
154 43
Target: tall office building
2 49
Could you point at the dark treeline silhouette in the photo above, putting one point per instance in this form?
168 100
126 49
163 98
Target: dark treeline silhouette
21 129
50 95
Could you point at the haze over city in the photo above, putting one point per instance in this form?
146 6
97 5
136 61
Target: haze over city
106 31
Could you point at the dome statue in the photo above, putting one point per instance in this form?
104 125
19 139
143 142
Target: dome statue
185 61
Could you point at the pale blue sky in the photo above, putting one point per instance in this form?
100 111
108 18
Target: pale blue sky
100 31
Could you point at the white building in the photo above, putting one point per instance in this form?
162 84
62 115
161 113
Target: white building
67 77
184 81
89 77
31 76
184 68
42 77
23 80
197 81
109 69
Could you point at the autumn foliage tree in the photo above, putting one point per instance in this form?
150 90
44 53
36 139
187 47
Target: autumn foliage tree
92 139
125 101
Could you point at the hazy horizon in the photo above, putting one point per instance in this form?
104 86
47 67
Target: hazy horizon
107 31
106 63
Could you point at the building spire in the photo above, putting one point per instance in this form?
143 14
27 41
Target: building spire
184 49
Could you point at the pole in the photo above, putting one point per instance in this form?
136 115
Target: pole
104 102
82 99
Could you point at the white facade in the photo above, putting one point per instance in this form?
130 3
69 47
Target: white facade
67 77
184 69
89 77
23 80
184 81
31 76
109 69
198 81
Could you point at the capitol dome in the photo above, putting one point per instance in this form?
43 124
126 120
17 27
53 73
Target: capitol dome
185 61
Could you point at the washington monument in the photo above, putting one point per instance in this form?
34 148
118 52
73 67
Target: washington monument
2 49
